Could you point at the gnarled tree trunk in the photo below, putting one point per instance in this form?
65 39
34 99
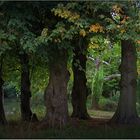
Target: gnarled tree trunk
26 113
56 92
126 112
2 113
79 91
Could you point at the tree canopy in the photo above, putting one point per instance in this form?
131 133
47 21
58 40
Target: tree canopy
51 46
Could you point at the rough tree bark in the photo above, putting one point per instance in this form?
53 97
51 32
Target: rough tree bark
126 112
56 92
80 90
26 113
2 113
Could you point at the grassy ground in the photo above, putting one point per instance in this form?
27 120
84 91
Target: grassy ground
12 109
94 128
77 129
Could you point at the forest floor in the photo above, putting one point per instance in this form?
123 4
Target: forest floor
97 127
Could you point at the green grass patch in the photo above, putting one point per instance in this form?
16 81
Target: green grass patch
81 129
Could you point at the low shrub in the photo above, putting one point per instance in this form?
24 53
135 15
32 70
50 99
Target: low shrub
107 104
9 91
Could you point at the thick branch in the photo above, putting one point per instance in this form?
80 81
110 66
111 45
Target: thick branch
110 77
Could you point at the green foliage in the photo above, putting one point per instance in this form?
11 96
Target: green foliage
97 84
9 91
107 104
109 56
42 28
20 35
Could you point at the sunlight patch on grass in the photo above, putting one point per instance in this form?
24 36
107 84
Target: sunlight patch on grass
100 114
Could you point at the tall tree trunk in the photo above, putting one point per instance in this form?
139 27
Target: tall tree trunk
2 113
26 112
79 91
126 112
56 91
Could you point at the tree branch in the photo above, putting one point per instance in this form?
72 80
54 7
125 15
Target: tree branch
93 60
110 77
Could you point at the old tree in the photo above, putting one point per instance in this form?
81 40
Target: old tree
56 34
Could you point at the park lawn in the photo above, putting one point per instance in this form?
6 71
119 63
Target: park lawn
12 109
76 129
94 128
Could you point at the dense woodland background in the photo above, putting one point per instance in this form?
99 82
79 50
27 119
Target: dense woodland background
70 69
